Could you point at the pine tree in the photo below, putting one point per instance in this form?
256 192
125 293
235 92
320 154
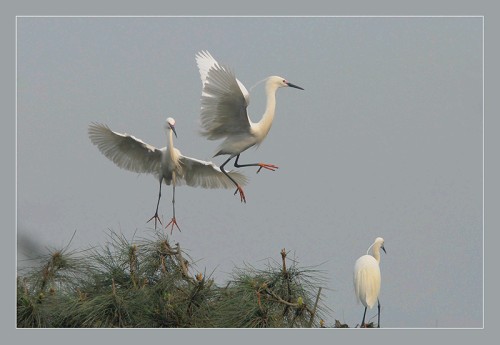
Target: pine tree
151 283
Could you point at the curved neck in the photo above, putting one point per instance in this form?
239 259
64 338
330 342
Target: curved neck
268 117
375 251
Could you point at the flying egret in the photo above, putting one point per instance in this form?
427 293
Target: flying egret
167 163
367 277
224 102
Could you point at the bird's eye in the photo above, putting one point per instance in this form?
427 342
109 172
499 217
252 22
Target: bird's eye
284 81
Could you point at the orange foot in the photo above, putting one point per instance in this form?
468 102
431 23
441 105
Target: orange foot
267 166
242 194
172 222
156 218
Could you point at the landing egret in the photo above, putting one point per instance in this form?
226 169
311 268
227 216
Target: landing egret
167 163
367 277
224 102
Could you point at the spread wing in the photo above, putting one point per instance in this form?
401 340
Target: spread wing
208 175
224 100
124 150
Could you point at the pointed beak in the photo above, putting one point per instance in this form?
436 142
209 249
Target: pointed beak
173 130
295 86
383 248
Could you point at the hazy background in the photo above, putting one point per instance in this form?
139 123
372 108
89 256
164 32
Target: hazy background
386 140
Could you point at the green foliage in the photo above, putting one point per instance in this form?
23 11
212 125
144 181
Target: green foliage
276 296
149 283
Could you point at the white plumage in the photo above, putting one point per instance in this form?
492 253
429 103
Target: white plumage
224 102
167 164
367 277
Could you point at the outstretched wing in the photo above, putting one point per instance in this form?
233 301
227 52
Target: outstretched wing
124 150
224 100
208 175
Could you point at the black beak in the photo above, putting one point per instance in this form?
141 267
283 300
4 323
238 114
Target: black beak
173 129
383 248
295 86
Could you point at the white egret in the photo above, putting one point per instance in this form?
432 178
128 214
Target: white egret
224 102
367 277
167 163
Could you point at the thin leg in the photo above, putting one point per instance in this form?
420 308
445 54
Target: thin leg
378 313
238 187
155 217
260 165
363 322
173 221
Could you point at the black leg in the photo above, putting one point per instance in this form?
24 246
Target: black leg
363 322
238 187
224 171
155 217
173 200
378 313
260 165
173 221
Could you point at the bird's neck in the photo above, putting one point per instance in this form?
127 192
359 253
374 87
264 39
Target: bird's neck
376 252
375 248
267 119
170 146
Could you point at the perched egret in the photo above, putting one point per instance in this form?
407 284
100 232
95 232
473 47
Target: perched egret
167 164
367 277
224 102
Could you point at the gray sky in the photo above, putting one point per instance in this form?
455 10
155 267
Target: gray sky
385 140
